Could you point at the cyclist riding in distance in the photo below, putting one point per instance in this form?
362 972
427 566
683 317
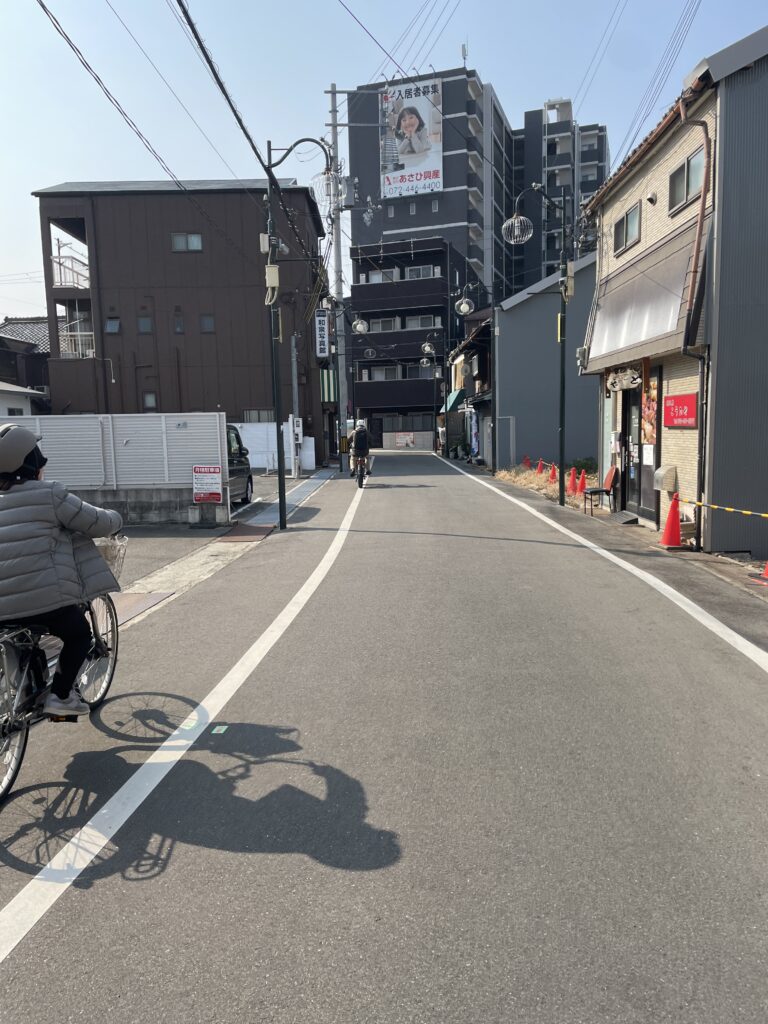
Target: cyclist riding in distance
359 446
48 564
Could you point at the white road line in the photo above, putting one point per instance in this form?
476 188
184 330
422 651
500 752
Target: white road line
39 895
730 636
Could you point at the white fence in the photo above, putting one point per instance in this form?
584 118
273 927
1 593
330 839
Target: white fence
149 450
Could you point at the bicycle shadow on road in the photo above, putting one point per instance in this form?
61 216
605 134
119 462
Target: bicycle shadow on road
259 798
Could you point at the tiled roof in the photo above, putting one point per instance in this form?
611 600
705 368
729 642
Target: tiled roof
32 329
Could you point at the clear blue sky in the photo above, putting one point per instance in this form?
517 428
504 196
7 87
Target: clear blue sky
276 60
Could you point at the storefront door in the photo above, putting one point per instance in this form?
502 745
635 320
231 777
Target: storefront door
639 448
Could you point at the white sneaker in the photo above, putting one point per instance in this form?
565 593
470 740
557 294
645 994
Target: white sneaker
72 704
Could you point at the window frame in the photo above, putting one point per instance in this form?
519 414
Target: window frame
149 319
688 196
111 320
204 329
149 406
623 223
381 320
186 235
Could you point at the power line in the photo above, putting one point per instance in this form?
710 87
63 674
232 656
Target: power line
602 55
183 106
139 134
241 124
659 77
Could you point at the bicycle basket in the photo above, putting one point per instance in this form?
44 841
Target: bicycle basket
112 550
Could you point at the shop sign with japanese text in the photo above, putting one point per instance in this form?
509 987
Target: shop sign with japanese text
681 410
322 334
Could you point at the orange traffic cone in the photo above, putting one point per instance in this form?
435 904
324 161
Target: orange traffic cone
571 486
540 467
527 461
761 579
671 536
553 474
582 484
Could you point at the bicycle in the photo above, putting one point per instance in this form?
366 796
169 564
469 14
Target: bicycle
360 464
26 671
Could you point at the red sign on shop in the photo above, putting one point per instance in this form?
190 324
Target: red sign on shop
681 410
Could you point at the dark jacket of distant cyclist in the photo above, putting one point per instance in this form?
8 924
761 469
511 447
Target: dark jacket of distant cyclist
360 442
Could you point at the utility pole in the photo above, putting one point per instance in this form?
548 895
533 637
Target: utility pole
338 286
273 287
295 394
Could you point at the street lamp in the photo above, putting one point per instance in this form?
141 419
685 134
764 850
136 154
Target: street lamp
273 288
517 230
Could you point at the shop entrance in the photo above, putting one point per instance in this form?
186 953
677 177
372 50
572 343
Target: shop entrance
639 449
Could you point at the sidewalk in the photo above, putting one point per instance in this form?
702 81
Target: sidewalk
719 584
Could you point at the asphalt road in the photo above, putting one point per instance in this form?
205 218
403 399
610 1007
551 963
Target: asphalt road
483 774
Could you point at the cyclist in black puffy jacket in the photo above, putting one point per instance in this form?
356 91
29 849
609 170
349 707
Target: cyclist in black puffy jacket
359 446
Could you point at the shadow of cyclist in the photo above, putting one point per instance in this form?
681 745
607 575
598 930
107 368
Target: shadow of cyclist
202 807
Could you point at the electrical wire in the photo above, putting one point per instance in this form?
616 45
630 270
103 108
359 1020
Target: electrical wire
186 110
423 49
139 134
659 78
447 22
597 51
241 124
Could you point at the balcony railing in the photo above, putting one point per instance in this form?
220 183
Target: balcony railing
74 345
70 272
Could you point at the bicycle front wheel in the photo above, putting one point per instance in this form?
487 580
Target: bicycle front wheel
98 669
12 746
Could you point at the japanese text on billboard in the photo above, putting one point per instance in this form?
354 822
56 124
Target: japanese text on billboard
411 139
322 338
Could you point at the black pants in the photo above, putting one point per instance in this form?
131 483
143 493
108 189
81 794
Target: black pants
70 625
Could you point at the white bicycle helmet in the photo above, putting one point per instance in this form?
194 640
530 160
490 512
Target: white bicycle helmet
16 443
360 423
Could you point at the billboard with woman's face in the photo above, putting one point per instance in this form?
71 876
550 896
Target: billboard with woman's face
411 139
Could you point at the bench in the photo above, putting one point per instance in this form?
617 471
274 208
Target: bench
607 488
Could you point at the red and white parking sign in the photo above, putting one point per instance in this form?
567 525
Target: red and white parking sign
206 484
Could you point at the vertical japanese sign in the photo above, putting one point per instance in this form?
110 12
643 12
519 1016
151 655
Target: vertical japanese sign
411 139
322 334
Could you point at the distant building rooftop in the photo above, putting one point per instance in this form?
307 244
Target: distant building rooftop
33 330
77 188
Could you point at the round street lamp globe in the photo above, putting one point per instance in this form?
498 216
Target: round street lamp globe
360 326
465 306
517 229
424 361
428 348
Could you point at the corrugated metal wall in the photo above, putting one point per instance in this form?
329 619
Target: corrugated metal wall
738 440
124 451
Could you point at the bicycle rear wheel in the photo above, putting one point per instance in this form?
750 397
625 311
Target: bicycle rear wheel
360 474
12 746
98 669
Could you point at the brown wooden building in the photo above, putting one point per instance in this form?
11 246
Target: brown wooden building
155 299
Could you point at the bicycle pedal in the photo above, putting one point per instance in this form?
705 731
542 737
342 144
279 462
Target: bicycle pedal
63 718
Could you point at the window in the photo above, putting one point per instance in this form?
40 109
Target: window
385 373
415 323
589 174
381 276
258 415
390 212
181 241
435 205
686 181
178 323
626 230
388 324
144 324
112 325
207 323
416 372
149 400
411 208
414 273
15 412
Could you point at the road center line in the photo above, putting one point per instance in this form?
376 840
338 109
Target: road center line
39 895
730 636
